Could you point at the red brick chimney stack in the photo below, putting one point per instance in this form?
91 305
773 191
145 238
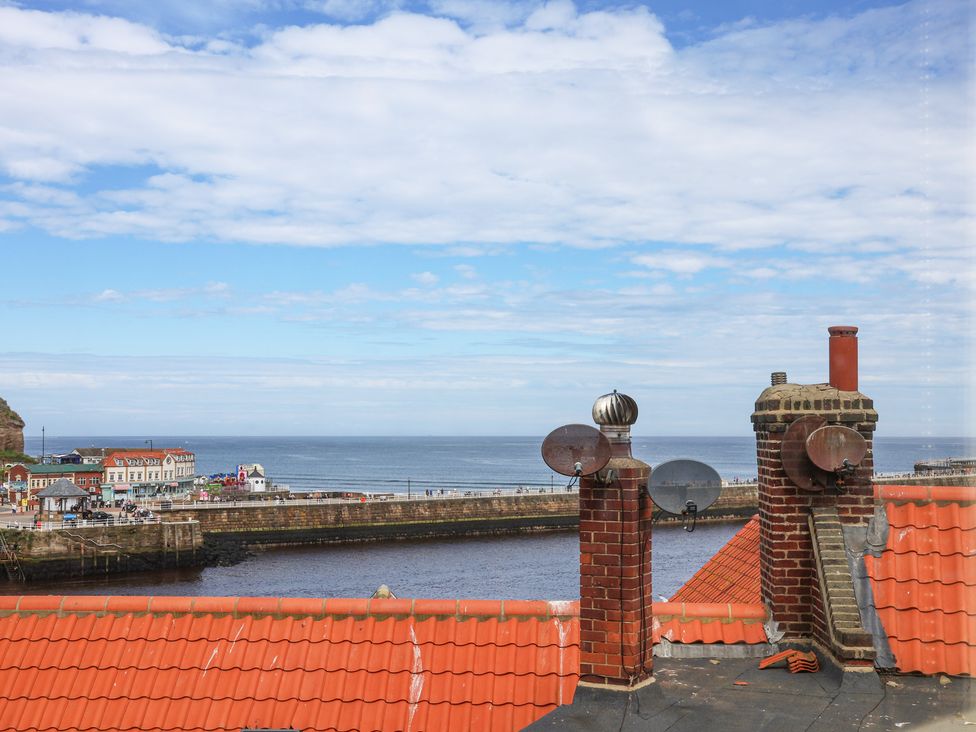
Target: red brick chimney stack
615 558
786 549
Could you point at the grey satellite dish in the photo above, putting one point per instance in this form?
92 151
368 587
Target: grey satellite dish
576 449
684 487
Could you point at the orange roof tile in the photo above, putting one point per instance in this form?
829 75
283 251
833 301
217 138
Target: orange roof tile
732 575
227 663
681 622
215 663
924 582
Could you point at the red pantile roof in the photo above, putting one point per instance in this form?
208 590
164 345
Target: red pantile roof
732 575
167 663
223 663
681 622
924 582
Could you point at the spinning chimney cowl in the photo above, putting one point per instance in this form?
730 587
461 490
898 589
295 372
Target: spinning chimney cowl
615 410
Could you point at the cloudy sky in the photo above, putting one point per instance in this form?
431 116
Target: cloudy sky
466 216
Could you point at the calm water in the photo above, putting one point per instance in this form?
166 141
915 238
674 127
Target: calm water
540 566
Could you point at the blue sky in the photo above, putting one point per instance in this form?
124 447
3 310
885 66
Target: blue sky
456 216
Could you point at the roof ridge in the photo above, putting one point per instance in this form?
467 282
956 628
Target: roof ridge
925 493
285 606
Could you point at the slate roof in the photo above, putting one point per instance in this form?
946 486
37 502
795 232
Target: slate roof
924 581
223 663
62 488
732 575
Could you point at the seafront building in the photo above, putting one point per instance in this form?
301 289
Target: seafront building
107 475
134 474
24 481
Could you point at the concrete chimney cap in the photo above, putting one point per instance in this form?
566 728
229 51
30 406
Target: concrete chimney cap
615 410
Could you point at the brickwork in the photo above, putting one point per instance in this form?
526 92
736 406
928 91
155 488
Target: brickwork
786 550
615 576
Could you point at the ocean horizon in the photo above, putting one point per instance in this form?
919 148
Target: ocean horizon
401 463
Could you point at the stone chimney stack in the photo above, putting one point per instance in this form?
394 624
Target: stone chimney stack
615 558
787 563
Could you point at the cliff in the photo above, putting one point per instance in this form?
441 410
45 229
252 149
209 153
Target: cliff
11 429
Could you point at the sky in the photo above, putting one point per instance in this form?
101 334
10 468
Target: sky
373 217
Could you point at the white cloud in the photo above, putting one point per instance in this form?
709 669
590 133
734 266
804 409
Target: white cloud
36 30
428 279
569 127
680 262
466 271
109 296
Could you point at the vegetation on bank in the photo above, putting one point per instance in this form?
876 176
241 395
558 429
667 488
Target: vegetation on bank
10 456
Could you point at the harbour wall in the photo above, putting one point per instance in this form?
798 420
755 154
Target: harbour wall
92 550
308 522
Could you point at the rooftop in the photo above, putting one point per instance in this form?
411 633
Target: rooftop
733 695
227 663
924 580
62 488
44 469
732 575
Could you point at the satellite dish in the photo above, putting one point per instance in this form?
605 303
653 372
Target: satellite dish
576 449
684 486
816 455
835 448
793 452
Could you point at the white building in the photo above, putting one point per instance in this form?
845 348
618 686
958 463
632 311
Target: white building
144 473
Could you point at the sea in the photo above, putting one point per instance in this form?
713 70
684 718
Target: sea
527 566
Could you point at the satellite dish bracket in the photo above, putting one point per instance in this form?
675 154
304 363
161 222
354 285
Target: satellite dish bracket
606 477
691 510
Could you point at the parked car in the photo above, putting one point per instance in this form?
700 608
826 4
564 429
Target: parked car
101 517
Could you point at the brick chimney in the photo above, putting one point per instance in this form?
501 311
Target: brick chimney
615 558
790 586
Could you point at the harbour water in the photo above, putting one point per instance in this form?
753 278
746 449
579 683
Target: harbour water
535 566
525 567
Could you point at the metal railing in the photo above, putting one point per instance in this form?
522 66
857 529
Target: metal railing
437 495
79 524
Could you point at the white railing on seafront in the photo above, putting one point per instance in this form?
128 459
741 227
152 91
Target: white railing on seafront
79 524
367 497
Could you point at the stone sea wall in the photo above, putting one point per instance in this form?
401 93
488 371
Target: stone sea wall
323 523
103 549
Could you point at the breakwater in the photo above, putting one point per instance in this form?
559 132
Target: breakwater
309 522
299 522
331 522
93 550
